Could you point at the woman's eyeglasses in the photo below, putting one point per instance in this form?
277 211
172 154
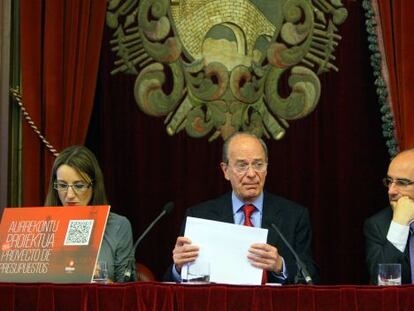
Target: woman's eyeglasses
78 187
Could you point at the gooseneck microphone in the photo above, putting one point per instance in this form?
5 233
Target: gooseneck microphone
301 266
168 207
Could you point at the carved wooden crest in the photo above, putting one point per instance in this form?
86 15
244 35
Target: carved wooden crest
215 67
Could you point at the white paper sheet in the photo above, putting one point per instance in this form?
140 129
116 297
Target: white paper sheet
225 247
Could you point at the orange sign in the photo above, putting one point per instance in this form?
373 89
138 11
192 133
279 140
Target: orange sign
51 244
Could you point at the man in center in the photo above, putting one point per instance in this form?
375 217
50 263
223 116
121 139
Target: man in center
245 162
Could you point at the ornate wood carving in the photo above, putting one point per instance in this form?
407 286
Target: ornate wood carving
215 67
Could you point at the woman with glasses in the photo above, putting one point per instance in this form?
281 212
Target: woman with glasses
77 180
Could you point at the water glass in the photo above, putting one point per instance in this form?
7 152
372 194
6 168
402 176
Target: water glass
101 273
197 272
389 274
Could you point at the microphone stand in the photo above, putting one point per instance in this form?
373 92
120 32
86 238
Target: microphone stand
301 266
128 271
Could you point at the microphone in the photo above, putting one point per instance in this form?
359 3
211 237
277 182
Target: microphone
301 266
168 207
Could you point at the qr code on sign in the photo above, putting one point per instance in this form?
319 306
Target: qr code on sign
79 232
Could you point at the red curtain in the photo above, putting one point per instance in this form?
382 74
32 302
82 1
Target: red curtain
60 44
397 26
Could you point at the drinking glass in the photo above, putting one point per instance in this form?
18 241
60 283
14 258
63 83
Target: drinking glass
389 274
101 273
197 272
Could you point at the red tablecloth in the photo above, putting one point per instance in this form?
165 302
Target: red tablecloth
161 296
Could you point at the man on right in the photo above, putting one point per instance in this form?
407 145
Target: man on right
390 232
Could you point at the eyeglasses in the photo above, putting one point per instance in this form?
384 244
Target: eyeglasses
243 167
78 187
399 182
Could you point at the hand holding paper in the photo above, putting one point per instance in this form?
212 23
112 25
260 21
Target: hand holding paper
225 246
266 257
184 252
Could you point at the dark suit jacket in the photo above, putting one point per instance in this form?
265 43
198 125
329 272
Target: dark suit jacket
291 219
380 250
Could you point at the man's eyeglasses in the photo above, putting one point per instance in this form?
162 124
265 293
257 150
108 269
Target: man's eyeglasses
243 167
78 187
399 182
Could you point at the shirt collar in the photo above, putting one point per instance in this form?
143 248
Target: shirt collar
238 204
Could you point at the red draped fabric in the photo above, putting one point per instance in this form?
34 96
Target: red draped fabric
397 26
157 297
60 44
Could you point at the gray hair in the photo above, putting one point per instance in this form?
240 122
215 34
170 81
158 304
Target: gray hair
225 155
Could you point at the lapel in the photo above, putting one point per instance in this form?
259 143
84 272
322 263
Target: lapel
224 209
271 211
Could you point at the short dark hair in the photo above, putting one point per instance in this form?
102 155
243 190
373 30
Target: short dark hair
85 163
225 156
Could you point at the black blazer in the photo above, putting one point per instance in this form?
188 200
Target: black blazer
380 250
291 219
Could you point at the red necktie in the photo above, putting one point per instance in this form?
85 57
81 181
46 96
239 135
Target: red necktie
248 211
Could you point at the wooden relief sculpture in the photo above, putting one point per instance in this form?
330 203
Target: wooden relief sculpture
215 67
